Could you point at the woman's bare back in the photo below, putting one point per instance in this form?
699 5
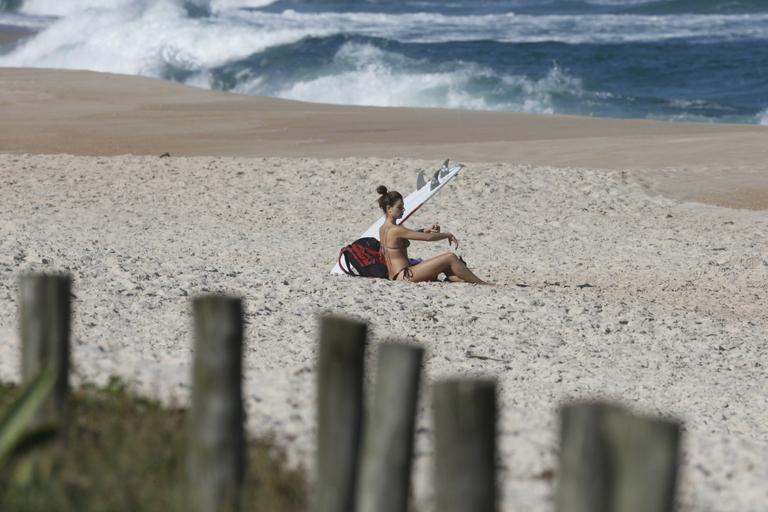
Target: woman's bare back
395 254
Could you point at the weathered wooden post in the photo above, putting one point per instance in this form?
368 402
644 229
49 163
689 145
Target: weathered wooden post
385 474
645 454
584 478
216 465
465 445
44 327
614 461
339 413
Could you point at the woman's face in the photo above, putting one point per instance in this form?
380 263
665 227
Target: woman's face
396 210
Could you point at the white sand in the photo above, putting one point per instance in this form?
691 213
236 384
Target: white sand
675 321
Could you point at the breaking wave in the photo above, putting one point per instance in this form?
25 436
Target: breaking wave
590 57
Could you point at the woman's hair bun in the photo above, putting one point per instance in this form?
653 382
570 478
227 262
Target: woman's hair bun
381 189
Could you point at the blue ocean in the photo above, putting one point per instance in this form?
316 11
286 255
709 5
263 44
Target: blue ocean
676 60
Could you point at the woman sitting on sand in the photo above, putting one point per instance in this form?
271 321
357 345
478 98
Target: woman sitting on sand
395 241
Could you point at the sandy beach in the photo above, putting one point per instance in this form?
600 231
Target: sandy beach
630 258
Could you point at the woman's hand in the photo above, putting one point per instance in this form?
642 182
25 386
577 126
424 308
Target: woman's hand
452 239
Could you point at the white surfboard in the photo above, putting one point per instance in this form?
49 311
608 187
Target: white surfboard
425 191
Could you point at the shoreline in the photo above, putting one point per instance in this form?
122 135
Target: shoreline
100 114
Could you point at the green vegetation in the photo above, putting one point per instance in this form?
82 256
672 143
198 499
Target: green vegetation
16 434
121 453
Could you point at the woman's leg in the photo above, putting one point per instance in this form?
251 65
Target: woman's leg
447 263
463 274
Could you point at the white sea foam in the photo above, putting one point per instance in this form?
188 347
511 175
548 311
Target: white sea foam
375 77
511 27
223 5
143 37
762 117
68 7
434 27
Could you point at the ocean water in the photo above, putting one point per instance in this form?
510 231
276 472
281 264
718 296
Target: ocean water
678 60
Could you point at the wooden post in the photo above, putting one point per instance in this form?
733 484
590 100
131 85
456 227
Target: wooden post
44 326
614 461
339 413
645 458
217 443
465 445
385 474
584 478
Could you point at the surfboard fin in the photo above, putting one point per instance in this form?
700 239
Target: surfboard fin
420 181
441 173
445 168
435 180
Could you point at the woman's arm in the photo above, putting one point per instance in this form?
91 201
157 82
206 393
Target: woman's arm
410 234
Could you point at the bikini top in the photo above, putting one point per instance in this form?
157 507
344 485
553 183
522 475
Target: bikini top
404 246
